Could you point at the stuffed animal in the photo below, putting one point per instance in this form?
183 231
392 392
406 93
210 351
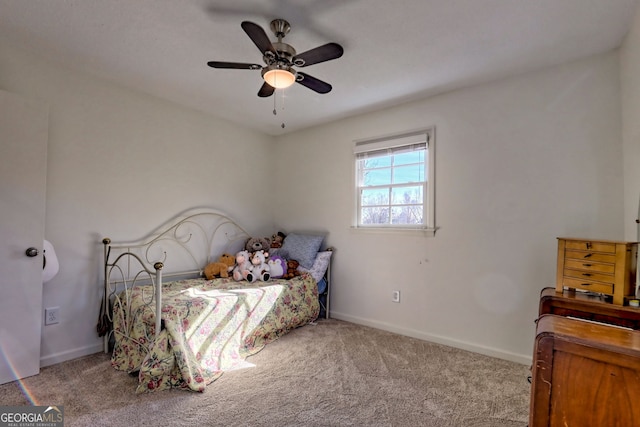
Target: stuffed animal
220 268
292 269
277 239
277 266
260 270
258 244
243 266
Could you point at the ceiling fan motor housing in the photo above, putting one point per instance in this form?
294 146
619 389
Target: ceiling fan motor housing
281 61
285 52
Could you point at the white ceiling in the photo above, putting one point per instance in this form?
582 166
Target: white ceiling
395 51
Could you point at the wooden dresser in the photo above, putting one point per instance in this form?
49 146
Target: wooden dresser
584 374
603 266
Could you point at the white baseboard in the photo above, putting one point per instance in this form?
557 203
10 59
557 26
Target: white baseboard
54 359
487 351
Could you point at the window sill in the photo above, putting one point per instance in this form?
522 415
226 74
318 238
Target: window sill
426 231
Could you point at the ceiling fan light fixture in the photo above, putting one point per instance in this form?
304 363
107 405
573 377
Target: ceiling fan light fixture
279 78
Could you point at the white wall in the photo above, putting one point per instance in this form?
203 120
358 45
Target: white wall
630 94
519 162
121 163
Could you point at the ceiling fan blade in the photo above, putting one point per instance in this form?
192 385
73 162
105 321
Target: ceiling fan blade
258 36
266 90
322 53
234 65
314 83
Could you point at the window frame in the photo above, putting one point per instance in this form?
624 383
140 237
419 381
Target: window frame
397 142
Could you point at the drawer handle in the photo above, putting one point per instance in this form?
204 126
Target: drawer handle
587 274
588 255
586 284
587 265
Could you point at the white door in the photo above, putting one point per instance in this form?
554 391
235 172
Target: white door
23 163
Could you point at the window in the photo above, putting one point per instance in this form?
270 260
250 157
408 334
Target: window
395 182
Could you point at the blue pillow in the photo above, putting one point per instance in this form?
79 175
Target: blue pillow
302 247
322 286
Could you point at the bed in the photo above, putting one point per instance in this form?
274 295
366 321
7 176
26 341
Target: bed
205 327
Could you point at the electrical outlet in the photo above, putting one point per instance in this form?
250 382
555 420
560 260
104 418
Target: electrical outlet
51 315
395 296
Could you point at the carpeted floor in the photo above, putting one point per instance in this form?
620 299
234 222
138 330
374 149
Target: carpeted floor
332 373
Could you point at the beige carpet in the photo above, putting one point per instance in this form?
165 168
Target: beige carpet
333 373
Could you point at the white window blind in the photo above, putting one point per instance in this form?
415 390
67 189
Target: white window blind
386 146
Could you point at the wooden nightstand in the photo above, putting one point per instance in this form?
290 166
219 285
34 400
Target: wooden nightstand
602 266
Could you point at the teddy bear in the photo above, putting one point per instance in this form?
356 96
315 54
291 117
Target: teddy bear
277 266
257 244
243 266
277 239
260 268
220 268
292 269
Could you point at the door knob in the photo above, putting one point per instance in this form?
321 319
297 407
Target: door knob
31 252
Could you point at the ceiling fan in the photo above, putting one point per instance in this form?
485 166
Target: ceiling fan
280 59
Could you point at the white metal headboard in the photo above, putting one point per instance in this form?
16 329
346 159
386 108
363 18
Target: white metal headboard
180 248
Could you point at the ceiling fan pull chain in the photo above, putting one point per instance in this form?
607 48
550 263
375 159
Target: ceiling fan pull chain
282 92
275 112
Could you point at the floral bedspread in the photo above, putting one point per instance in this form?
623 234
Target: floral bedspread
209 326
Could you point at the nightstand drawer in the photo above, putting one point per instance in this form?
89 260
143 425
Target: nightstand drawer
586 275
589 266
586 285
587 245
590 256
